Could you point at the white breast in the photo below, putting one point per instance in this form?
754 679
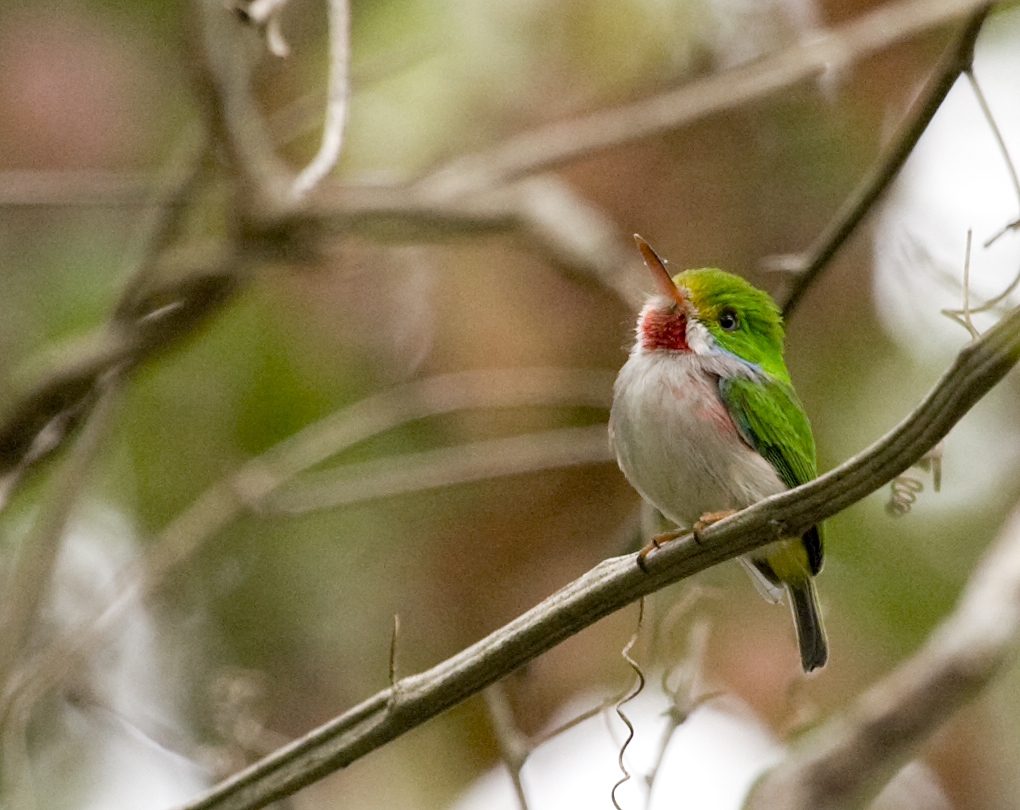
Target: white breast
675 441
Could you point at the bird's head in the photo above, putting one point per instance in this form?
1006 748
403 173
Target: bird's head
710 311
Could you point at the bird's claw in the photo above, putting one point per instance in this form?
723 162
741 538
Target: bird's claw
699 526
657 541
708 519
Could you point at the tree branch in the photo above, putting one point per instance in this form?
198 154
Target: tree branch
222 86
956 59
559 143
617 582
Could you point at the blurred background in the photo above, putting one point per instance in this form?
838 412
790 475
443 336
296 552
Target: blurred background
283 617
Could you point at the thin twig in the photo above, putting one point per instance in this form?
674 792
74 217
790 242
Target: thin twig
637 688
337 93
394 640
963 316
957 57
188 173
514 746
975 86
966 288
617 582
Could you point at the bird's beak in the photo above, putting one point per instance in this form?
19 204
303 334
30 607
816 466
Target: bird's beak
658 270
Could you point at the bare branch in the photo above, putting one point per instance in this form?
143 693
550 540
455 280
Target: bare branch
446 200
222 86
956 59
847 760
187 173
617 582
63 396
554 145
254 484
469 195
514 746
554 218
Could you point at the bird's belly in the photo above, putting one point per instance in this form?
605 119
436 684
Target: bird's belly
677 445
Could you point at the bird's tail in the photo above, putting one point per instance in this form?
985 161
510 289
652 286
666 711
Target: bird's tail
814 650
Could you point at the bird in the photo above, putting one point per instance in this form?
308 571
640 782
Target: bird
705 422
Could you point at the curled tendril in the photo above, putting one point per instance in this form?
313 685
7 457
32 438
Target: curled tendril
639 686
904 488
903 493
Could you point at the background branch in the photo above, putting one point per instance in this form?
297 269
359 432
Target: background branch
505 189
27 580
572 231
957 58
278 480
556 144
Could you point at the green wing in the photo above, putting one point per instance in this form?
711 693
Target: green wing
769 417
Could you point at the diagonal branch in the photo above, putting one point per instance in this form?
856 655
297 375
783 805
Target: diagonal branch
617 582
956 59
556 144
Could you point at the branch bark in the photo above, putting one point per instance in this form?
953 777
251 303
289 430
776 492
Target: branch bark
617 582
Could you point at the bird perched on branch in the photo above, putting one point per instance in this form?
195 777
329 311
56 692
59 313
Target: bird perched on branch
705 422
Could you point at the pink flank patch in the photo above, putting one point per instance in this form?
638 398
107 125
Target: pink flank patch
716 414
663 329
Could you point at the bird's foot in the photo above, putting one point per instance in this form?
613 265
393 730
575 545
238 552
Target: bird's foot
657 541
699 526
708 519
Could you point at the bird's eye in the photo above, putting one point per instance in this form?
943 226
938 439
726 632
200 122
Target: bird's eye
728 320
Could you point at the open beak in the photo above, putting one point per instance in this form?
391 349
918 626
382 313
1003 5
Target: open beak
658 269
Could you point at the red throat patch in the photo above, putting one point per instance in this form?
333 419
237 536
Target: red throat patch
663 329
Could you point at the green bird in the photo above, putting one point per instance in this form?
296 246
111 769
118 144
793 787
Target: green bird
705 421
